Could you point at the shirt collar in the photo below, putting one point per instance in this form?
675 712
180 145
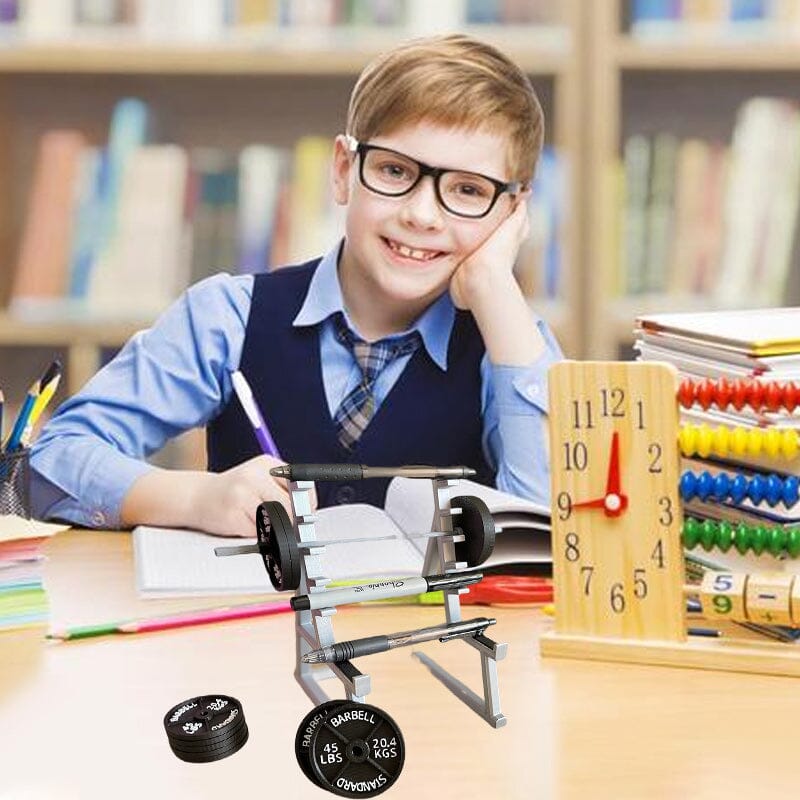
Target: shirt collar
324 298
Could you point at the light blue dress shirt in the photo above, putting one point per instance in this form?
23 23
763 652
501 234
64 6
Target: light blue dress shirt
176 376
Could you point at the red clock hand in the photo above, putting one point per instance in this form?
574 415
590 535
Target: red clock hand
613 481
599 503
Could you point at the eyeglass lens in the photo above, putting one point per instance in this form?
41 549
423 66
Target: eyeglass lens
462 193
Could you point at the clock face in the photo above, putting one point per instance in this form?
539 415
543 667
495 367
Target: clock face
617 555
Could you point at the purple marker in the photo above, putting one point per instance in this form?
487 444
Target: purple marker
245 395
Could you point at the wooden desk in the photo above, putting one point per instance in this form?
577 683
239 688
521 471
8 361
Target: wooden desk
83 720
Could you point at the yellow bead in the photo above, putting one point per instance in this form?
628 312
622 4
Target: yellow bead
789 444
754 442
739 441
772 442
721 440
704 437
687 439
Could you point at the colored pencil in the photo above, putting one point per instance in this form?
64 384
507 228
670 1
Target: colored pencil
173 621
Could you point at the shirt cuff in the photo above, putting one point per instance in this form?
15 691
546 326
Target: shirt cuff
520 390
104 477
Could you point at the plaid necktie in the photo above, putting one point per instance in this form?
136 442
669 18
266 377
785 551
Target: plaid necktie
358 407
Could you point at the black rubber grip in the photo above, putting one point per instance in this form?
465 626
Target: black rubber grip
327 472
344 651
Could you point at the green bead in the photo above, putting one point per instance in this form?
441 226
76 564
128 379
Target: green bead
793 542
691 533
741 538
776 541
758 539
708 534
724 536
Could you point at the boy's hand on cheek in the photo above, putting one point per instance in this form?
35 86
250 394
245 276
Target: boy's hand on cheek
489 267
226 502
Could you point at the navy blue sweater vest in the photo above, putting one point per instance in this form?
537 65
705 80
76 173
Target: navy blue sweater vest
429 416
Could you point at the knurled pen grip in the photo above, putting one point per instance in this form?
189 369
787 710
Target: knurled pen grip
320 472
344 651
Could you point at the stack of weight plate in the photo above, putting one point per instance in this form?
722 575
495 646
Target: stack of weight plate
206 728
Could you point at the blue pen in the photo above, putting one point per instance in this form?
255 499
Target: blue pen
15 437
245 395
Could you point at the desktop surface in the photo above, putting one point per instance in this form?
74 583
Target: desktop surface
83 719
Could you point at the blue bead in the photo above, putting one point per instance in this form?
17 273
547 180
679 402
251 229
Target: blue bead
739 489
722 486
687 485
774 490
705 484
791 490
757 488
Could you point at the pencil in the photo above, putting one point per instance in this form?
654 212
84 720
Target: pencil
172 621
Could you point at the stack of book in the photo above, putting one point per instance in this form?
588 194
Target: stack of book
739 430
23 600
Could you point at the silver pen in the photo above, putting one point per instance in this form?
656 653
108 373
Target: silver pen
382 590
344 651
357 472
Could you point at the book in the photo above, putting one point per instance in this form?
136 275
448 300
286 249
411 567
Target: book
749 332
180 562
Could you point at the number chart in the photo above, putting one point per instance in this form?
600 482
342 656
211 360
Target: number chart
618 532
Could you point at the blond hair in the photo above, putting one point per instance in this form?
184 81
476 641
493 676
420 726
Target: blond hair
454 81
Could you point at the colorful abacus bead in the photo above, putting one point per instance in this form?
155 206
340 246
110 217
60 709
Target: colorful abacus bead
790 396
686 392
791 490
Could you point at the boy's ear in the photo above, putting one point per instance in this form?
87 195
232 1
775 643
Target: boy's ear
341 170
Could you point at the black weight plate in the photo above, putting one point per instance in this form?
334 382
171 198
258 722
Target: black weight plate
477 524
207 744
216 755
193 749
305 730
206 719
357 751
278 546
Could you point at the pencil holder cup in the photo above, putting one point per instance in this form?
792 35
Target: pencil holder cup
15 483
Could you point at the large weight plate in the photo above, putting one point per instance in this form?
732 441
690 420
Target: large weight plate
305 730
477 524
277 545
357 751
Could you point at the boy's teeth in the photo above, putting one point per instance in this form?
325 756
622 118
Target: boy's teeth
407 252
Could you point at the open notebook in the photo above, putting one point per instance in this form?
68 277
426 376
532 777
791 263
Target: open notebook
178 562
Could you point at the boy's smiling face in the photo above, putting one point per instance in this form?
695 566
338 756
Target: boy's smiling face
400 252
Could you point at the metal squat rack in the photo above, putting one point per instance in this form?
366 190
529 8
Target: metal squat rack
314 628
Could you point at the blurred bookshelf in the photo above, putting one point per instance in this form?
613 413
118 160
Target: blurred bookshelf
236 92
680 89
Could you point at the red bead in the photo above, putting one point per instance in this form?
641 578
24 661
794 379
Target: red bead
773 396
706 391
791 395
724 391
755 395
686 393
739 394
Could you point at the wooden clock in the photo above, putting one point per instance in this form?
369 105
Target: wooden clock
616 511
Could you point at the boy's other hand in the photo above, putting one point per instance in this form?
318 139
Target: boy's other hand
489 267
226 502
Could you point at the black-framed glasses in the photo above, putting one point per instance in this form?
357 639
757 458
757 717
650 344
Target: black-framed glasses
393 174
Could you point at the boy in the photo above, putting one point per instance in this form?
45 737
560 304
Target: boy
410 342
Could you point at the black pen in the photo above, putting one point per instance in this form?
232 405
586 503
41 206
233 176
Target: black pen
355 648
356 472
381 590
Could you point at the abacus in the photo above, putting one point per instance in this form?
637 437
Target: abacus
653 631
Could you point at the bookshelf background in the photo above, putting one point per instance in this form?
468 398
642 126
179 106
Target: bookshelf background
602 75
688 76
